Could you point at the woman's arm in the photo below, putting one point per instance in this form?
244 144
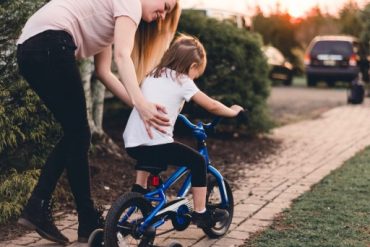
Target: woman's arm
124 36
103 62
215 107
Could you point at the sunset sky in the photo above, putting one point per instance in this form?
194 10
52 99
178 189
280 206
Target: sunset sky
296 8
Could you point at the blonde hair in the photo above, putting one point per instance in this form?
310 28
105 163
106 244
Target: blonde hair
152 40
182 54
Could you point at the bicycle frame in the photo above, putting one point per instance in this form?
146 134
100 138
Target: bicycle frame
158 195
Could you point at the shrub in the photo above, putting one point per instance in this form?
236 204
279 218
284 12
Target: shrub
237 71
15 188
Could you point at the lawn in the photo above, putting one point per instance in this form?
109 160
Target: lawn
336 212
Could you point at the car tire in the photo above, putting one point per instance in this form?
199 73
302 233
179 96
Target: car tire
311 82
288 82
330 83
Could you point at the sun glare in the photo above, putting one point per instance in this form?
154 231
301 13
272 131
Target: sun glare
296 12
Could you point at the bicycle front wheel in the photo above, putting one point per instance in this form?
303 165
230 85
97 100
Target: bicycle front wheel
124 218
214 201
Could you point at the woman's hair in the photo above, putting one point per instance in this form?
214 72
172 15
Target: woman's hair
183 52
152 40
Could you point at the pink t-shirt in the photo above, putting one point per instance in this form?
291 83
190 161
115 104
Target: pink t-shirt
89 22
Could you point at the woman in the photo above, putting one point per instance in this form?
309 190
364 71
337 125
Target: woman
51 41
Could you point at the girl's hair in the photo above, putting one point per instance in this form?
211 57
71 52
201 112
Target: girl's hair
152 40
183 52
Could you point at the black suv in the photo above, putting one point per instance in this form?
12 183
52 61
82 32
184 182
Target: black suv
332 58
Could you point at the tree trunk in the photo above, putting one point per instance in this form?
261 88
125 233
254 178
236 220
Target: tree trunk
94 94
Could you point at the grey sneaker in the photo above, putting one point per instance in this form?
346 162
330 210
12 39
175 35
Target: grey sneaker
209 218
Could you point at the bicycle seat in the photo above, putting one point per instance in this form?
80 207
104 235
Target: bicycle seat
152 168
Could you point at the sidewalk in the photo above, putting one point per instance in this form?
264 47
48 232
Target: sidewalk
311 150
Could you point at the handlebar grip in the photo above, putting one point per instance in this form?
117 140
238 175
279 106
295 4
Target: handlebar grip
243 116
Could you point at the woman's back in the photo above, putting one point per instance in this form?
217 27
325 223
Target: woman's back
89 22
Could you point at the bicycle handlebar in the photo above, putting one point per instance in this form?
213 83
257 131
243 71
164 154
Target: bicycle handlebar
242 116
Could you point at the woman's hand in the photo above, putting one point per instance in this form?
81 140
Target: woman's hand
153 115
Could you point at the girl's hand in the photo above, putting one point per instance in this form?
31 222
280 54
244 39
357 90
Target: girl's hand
236 109
153 115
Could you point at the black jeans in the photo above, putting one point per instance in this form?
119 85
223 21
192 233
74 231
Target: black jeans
48 63
176 154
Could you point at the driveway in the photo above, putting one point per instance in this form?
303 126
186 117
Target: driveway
293 104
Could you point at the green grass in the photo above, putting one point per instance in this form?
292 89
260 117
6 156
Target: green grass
336 212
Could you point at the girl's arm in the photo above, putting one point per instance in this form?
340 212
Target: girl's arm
215 107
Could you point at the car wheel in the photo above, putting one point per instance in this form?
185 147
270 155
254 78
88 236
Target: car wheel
288 82
311 82
330 83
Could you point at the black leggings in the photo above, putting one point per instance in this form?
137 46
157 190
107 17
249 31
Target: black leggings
48 63
176 154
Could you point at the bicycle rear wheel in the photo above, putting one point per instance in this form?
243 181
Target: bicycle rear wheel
214 201
123 220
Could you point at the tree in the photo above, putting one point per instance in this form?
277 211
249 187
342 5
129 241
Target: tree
95 95
315 23
278 30
350 20
365 41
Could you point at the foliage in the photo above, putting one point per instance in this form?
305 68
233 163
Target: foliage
349 19
279 31
334 213
15 188
365 34
315 23
236 70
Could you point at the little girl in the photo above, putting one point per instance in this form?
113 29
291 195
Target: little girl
171 84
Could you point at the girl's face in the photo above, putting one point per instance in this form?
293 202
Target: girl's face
156 9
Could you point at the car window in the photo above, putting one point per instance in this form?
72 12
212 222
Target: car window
332 47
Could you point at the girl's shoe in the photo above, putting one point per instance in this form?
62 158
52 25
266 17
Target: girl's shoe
209 218
139 189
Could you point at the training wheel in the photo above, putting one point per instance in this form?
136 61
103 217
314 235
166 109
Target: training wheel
96 238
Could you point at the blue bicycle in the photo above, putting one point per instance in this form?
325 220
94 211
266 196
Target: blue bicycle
134 218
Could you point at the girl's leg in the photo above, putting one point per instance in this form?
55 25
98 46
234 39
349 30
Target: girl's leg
177 154
199 197
142 178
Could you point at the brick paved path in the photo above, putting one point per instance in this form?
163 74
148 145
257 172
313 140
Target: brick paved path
311 149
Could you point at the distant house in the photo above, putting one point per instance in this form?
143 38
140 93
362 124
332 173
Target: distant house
236 10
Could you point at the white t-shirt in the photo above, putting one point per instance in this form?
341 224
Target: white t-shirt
90 22
164 90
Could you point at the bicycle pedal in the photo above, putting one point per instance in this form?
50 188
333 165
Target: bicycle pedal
149 231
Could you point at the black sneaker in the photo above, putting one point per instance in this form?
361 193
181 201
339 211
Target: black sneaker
88 221
139 189
209 218
37 215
